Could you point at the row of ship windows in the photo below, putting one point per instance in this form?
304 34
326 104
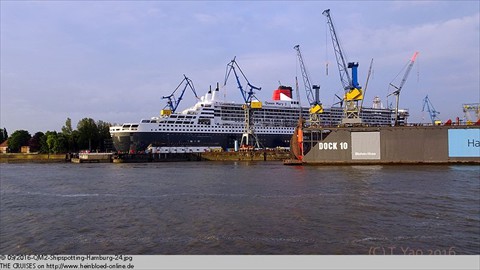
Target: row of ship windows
259 119
283 130
328 110
224 108
271 121
288 124
259 116
241 119
223 128
283 122
270 112
186 125
181 116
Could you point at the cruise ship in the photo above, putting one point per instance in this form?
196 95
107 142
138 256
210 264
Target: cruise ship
215 123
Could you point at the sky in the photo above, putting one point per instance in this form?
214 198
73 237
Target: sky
115 60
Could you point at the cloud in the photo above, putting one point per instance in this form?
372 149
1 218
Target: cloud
448 64
407 5
115 60
205 18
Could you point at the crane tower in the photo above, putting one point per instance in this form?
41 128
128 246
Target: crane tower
353 91
469 109
314 101
249 138
396 93
431 111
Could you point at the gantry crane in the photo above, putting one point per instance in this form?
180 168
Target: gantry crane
314 101
172 103
249 138
431 110
366 82
353 91
469 109
396 93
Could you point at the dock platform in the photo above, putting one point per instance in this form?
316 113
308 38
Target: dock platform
292 162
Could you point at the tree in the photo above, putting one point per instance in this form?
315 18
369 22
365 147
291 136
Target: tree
67 129
18 139
44 147
103 133
73 141
68 135
3 135
51 138
60 144
87 133
55 142
35 142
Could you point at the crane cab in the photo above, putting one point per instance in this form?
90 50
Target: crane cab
165 112
354 94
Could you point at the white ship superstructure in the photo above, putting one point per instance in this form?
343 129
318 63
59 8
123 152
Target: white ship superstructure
212 122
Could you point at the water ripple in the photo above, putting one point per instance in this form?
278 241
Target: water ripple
260 208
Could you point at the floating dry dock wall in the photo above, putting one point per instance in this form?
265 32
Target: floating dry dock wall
377 145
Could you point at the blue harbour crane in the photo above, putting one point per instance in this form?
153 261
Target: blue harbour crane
249 138
172 103
314 100
431 110
353 91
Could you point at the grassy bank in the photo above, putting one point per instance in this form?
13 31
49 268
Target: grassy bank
26 158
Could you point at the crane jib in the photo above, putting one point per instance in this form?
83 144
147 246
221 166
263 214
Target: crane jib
247 96
172 103
341 62
312 100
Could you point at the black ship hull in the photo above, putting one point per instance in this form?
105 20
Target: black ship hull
139 141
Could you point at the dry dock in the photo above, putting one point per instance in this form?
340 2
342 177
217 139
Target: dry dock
388 145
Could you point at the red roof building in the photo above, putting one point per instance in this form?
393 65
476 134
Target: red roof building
4 147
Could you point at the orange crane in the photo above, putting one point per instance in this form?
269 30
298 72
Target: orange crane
396 93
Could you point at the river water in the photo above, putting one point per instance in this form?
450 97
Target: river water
238 208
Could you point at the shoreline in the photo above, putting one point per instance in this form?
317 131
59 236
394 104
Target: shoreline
31 158
140 158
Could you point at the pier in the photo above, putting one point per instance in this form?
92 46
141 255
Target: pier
92 158
258 155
